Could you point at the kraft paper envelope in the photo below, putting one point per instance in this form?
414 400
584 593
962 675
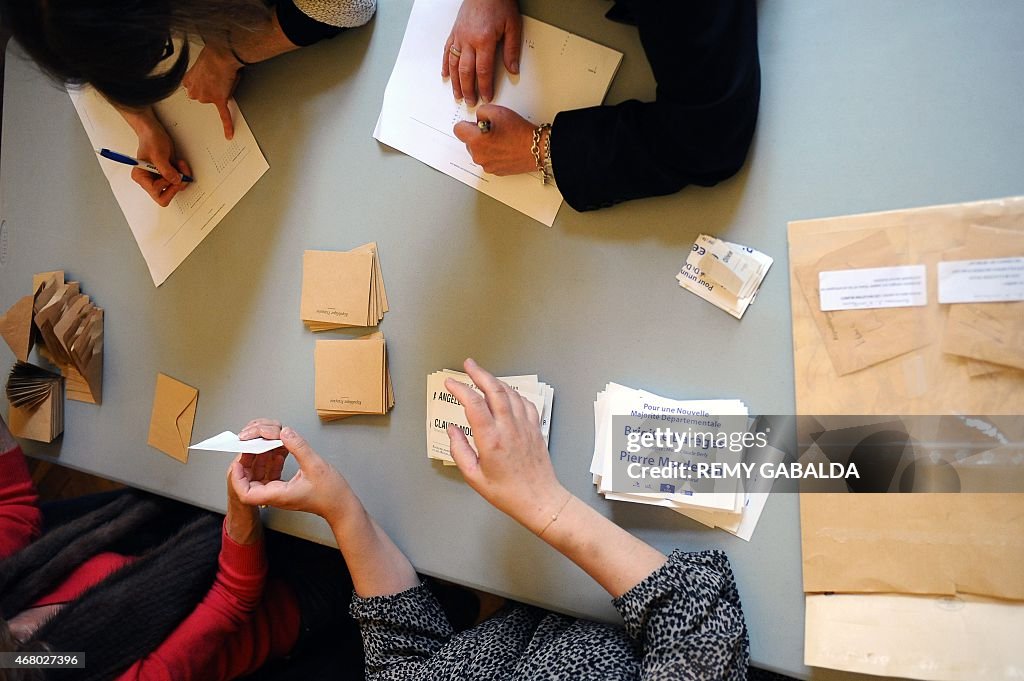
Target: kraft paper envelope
939 544
174 413
342 288
16 328
926 380
352 377
987 332
857 339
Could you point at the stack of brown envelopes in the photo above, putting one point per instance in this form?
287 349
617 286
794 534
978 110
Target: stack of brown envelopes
68 328
352 377
36 398
342 288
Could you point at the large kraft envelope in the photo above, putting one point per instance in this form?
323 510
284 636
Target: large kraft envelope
174 413
939 544
906 543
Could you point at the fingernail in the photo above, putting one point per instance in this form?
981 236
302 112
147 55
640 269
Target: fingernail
245 433
287 432
484 100
515 67
470 360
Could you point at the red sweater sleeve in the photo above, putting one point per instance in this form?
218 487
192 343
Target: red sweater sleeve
20 520
233 630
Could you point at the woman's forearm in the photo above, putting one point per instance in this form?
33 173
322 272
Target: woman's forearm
377 566
615 559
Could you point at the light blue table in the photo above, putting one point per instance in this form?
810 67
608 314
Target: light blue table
865 106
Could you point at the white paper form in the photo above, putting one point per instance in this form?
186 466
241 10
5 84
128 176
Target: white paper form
224 172
557 71
229 442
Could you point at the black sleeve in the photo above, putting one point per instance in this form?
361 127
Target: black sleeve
300 28
697 131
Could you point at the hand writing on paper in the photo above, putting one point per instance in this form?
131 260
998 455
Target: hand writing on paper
212 80
505 149
316 488
155 146
471 46
511 467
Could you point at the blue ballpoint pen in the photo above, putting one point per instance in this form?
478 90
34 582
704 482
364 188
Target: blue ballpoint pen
131 161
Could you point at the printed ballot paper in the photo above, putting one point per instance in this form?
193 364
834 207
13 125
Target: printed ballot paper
557 71
674 465
352 377
229 442
342 288
224 171
444 410
725 274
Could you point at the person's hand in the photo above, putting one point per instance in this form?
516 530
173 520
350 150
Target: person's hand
481 24
316 488
505 149
243 519
511 467
212 80
156 146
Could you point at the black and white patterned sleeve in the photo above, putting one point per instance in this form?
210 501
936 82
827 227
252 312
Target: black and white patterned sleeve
305 22
400 632
687 617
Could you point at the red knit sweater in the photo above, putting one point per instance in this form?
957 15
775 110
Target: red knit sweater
243 621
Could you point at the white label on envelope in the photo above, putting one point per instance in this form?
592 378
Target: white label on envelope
873 288
997 280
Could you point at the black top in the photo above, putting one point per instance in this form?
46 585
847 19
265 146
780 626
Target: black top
697 131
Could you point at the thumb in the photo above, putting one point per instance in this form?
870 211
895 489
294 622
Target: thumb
225 118
299 448
466 131
512 44
167 170
463 453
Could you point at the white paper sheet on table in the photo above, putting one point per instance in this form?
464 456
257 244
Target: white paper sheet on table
557 71
229 442
224 172
938 638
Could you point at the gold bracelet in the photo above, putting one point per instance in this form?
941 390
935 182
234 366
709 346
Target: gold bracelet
545 177
554 516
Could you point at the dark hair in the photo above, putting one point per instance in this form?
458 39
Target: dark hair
115 45
9 644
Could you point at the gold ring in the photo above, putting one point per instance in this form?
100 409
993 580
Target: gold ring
456 52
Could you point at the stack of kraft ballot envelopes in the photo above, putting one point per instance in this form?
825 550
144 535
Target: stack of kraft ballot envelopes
68 329
342 288
36 398
923 585
352 377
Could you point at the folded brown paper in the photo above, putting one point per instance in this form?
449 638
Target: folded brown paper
906 543
940 544
342 288
352 377
987 332
174 413
69 328
925 380
36 399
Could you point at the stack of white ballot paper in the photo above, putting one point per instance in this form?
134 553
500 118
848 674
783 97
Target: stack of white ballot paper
224 172
443 409
725 274
558 71
654 450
